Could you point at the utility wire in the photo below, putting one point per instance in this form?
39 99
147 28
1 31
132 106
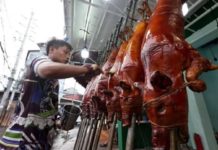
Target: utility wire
2 20
5 56
5 100
3 9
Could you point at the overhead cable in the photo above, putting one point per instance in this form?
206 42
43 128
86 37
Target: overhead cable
5 56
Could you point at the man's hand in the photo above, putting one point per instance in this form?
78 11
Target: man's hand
93 70
95 67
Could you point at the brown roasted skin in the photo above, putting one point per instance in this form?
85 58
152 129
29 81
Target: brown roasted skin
98 97
112 93
132 72
119 58
165 55
94 101
87 98
110 61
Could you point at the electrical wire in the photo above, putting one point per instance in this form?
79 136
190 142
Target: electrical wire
5 56
2 22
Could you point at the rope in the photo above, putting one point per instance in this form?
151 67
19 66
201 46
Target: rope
157 100
167 126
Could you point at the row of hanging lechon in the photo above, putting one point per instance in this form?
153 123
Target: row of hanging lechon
150 71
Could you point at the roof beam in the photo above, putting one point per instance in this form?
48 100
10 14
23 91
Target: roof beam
99 28
194 7
69 13
100 7
201 16
203 36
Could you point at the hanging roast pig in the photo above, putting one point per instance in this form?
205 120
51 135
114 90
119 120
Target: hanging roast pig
165 55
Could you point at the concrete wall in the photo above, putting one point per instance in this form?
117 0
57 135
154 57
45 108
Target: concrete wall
203 107
211 79
199 121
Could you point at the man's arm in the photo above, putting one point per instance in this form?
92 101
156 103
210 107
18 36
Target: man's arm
59 71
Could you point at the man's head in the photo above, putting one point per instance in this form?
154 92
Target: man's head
58 50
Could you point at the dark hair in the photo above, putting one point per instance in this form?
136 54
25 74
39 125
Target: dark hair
57 43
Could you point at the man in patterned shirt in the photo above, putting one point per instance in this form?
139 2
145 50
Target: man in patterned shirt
39 104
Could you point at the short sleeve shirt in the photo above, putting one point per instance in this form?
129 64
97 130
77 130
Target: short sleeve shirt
38 108
40 99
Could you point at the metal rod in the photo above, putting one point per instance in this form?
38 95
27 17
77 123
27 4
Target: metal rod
98 132
110 140
128 12
173 139
201 16
133 11
194 7
2 116
8 118
108 48
85 144
79 133
83 135
110 42
93 131
114 35
131 134
118 31
100 7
